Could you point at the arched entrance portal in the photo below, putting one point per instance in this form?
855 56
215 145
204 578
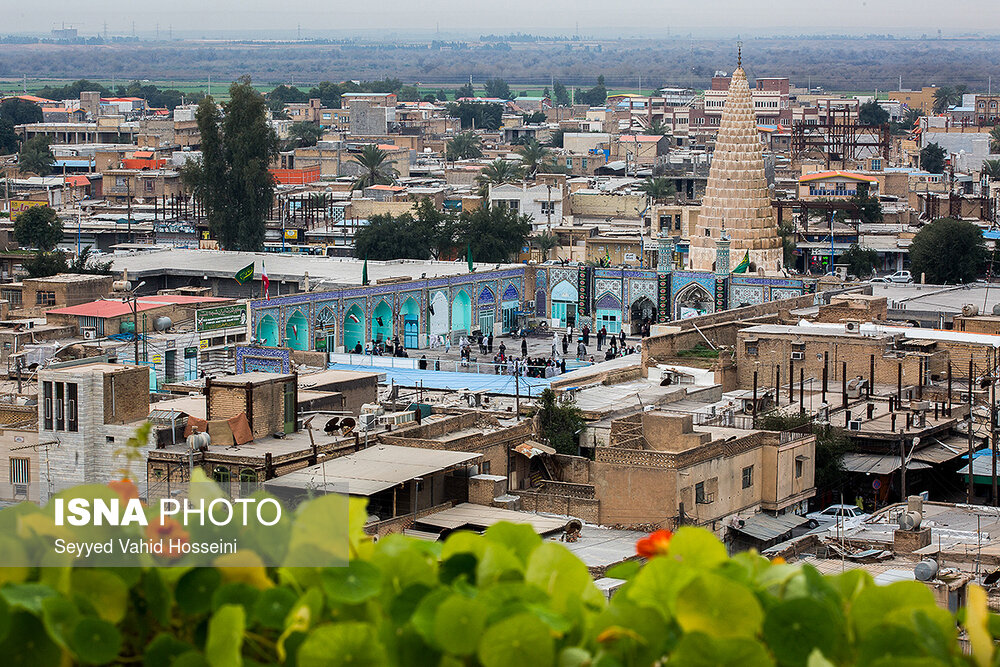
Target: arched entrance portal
325 330
297 331
354 329
692 301
382 322
461 313
410 314
439 314
267 331
643 314
564 302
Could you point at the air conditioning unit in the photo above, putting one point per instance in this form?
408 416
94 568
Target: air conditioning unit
854 425
798 356
89 333
367 421
852 327
396 418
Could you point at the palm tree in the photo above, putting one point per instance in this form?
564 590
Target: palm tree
991 169
533 155
657 127
545 242
658 189
945 97
464 146
995 139
376 169
498 172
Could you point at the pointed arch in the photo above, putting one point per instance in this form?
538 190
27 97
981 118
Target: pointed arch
438 310
354 328
461 312
409 313
382 321
267 331
693 300
297 331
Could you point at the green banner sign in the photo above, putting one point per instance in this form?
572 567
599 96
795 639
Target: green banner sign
222 317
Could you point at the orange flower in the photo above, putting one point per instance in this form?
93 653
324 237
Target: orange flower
655 544
168 533
778 560
125 488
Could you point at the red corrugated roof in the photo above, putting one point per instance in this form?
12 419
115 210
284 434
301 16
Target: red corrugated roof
818 175
76 181
115 308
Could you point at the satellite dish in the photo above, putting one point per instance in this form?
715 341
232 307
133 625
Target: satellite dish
347 425
331 425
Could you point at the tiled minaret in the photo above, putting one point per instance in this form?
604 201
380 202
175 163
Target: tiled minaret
736 197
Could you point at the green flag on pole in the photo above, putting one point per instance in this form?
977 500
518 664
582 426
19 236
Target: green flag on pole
744 264
244 274
364 272
468 256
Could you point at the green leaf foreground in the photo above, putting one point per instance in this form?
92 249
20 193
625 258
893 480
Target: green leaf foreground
503 598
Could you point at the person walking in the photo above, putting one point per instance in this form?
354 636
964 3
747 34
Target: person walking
489 344
621 337
565 344
586 335
524 347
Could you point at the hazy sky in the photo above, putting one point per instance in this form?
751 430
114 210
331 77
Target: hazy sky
595 17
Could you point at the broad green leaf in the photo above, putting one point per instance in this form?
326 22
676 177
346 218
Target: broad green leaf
850 583
96 641
817 659
518 640
718 607
461 565
27 644
192 658
518 537
626 570
498 562
554 569
659 583
353 584
573 656
404 562
793 629
892 603
27 596
163 649
463 541
649 636
272 607
242 594
157 597
697 547
5 612
60 616
194 590
342 645
458 624
103 590
976 626
425 614
304 614
699 650
224 644
321 529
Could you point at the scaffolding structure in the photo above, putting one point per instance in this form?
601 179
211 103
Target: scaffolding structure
841 139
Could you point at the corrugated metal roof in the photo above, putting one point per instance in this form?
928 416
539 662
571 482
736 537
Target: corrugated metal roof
372 470
943 449
765 527
878 464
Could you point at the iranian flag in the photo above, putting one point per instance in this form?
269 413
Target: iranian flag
264 279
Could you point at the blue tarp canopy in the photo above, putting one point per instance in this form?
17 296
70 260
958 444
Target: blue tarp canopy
494 384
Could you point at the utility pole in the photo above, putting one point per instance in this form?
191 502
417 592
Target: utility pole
517 390
971 446
128 202
902 463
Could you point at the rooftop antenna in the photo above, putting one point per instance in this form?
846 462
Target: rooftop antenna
739 54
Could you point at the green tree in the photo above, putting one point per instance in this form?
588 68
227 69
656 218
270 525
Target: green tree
36 157
860 261
945 97
465 90
658 127
559 422
872 113
232 180
498 88
869 206
545 242
408 94
72 91
286 94
658 189
788 245
948 251
495 233
20 112
393 237
596 96
536 118
302 134
932 158
560 95
476 115
9 141
533 156
995 139
991 169
375 167
464 146
498 172
85 262
328 93
45 264
38 227
442 96
556 138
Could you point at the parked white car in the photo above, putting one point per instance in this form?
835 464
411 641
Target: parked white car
901 277
851 515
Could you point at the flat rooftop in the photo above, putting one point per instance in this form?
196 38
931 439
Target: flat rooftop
945 298
333 270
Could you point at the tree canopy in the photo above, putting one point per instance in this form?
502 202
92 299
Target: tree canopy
872 113
560 422
302 134
374 167
36 157
494 233
658 189
476 115
38 227
464 146
560 97
860 261
232 180
948 251
498 88
15 111
596 96
932 158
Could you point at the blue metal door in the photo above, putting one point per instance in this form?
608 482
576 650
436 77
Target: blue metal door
410 333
